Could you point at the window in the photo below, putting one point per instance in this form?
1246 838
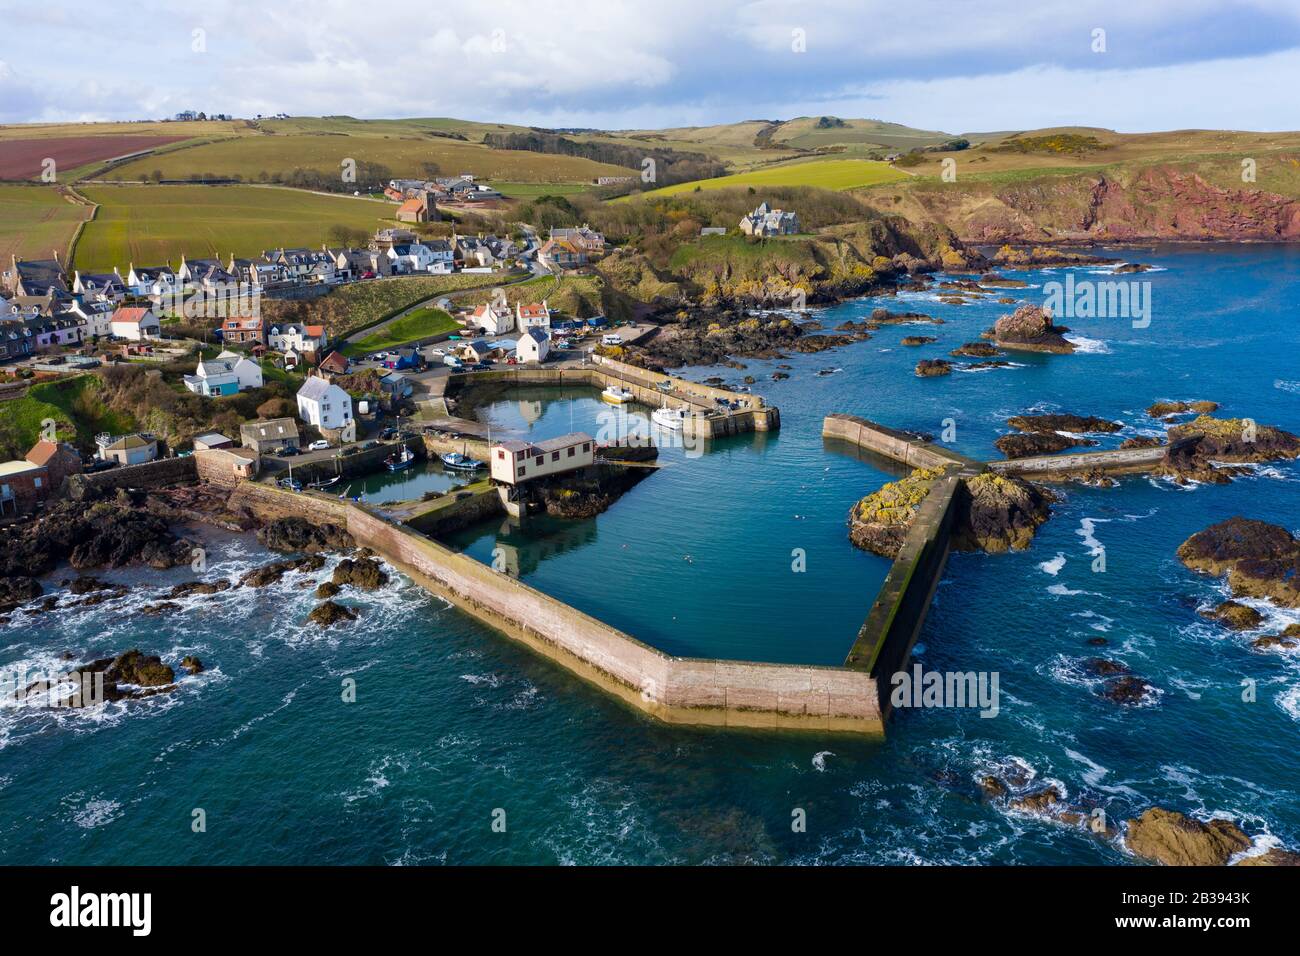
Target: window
570 451
555 456
540 459
37 481
501 455
521 473
586 446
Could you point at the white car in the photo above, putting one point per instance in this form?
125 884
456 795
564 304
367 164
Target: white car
319 444
437 351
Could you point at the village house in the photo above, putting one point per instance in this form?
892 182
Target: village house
308 266
436 255
227 374
492 318
135 324
534 345
212 440
533 315
336 363
385 239
34 276
105 285
243 330
416 209
256 273
480 350
22 486
133 449
584 238
58 458
324 404
94 315
353 264
269 436
514 461
203 274
151 281
766 221
284 337
561 254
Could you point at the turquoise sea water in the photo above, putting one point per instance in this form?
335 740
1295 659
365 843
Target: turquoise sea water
452 722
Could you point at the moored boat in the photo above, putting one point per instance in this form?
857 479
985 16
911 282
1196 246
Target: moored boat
616 395
458 462
666 417
399 461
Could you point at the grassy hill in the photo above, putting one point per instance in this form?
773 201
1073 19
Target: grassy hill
152 224
36 220
837 174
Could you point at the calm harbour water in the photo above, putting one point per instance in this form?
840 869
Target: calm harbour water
452 721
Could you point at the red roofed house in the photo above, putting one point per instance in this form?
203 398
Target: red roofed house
135 323
413 210
534 315
335 363
58 458
243 330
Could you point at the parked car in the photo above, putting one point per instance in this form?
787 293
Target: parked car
320 444
288 451
612 338
437 351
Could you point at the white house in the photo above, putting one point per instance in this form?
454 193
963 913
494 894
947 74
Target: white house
135 323
514 462
297 338
493 318
532 315
533 346
324 404
227 374
436 255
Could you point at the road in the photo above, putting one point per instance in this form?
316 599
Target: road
498 283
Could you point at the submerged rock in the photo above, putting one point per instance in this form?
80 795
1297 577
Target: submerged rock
1039 802
1289 639
1028 445
1127 689
365 573
917 340
1169 409
1050 424
931 368
1030 329
1239 617
881 317
975 350
1141 441
329 613
187 588
327 589
271 573
192 664
1173 839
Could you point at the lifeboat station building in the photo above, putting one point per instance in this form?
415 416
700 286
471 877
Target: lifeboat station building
515 462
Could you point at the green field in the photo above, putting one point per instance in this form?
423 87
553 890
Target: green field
73 403
154 224
837 174
35 221
420 324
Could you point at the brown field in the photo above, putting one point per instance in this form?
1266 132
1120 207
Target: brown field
22 158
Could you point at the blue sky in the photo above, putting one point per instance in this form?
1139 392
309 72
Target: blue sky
936 64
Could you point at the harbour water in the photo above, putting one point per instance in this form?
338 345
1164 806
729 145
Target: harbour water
451 722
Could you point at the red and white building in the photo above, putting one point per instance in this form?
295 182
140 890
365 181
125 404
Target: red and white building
514 462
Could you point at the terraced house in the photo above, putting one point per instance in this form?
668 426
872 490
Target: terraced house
35 277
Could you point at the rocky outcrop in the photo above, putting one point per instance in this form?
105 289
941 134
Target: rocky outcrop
364 573
16 590
1173 839
912 340
109 533
1075 424
933 368
1260 560
297 535
1027 445
1170 409
1030 329
997 513
879 522
189 588
975 350
1288 640
1236 440
882 316
1274 856
271 573
192 664
330 613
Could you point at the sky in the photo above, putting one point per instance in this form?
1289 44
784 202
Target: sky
950 65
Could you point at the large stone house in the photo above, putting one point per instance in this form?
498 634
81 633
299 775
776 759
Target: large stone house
766 221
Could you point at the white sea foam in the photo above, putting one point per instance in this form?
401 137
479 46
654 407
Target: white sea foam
1053 567
1086 346
819 760
1287 386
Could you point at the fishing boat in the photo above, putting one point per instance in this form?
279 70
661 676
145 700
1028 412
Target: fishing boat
399 461
328 482
458 462
673 418
616 395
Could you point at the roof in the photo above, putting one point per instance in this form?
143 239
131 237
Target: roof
131 313
211 438
315 388
335 360
44 450
538 335
412 205
533 310
242 322
550 444
127 442
8 468
271 428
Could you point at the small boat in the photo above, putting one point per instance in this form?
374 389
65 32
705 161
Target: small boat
293 484
458 462
666 417
399 461
616 395
326 483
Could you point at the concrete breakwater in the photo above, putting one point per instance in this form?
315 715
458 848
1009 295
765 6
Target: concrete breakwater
724 693
1114 461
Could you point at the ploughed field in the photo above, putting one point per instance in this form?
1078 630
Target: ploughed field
25 158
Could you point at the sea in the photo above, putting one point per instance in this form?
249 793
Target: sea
417 735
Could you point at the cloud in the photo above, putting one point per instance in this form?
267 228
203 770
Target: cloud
614 63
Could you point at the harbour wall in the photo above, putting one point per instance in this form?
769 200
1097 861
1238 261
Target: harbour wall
673 689
150 474
1116 461
899 446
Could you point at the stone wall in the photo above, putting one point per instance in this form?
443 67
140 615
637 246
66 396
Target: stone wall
1112 462
673 689
150 474
898 446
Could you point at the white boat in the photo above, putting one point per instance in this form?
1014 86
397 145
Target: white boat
398 462
458 462
616 395
666 417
